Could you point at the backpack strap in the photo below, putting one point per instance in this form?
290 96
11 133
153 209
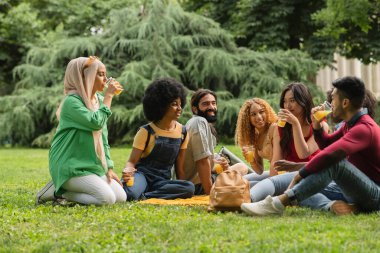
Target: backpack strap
150 131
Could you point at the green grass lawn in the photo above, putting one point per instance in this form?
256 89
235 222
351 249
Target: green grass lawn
131 227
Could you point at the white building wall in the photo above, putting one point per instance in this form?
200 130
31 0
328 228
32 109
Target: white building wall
370 74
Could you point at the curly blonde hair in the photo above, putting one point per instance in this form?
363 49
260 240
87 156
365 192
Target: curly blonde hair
245 131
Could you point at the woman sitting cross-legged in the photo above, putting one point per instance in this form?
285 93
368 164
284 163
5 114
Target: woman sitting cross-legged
159 145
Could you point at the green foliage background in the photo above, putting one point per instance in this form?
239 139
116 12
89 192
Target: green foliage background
262 50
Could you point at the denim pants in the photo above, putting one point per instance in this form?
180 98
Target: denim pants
333 192
199 188
276 185
253 178
353 183
163 189
152 179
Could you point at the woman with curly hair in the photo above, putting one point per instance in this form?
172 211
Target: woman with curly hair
159 145
255 126
293 142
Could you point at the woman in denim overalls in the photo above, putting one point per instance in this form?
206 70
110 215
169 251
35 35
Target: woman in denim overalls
159 145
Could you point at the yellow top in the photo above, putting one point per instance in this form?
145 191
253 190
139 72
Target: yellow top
141 136
267 149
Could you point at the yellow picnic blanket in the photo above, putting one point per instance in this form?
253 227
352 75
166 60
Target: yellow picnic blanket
202 200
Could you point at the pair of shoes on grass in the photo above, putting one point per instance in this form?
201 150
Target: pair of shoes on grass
273 206
47 193
268 206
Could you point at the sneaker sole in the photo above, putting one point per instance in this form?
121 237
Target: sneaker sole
42 192
249 212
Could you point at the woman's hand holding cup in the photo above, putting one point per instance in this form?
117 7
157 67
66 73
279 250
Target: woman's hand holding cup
128 176
249 153
113 86
220 163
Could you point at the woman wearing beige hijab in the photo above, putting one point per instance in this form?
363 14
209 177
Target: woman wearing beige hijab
79 157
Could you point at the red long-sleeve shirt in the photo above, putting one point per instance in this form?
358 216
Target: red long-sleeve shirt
358 140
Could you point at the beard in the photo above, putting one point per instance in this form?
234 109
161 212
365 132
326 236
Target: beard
337 113
335 119
209 118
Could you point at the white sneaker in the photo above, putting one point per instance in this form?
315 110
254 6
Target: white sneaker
46 193
262 208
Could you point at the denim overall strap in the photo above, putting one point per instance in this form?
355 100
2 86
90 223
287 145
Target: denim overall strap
157 165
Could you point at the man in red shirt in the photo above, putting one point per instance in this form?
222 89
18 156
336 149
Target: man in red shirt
350 157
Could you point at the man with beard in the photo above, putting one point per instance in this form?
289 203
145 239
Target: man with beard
349 156
200 150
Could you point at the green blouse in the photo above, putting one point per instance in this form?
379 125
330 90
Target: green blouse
72 151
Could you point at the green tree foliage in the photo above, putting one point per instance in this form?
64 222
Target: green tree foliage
26 22
138 45
18 28
354 26
350 27
264 25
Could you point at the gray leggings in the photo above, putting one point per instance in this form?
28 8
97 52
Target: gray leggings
94 190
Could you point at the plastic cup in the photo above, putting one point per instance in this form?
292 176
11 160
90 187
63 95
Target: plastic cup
118 92
250 155
130 172
217 166
319 115
281 123
109 81
131 181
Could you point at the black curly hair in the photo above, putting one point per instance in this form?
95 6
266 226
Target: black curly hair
158 96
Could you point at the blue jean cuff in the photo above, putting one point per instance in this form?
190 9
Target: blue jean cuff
327 207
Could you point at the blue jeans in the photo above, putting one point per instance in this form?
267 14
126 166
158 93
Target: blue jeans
152 179
199 188
333 192
353 183
163 189
253 178
276 185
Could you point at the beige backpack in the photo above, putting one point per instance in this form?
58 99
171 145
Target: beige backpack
228 192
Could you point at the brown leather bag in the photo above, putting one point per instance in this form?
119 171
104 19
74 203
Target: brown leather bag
228 192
